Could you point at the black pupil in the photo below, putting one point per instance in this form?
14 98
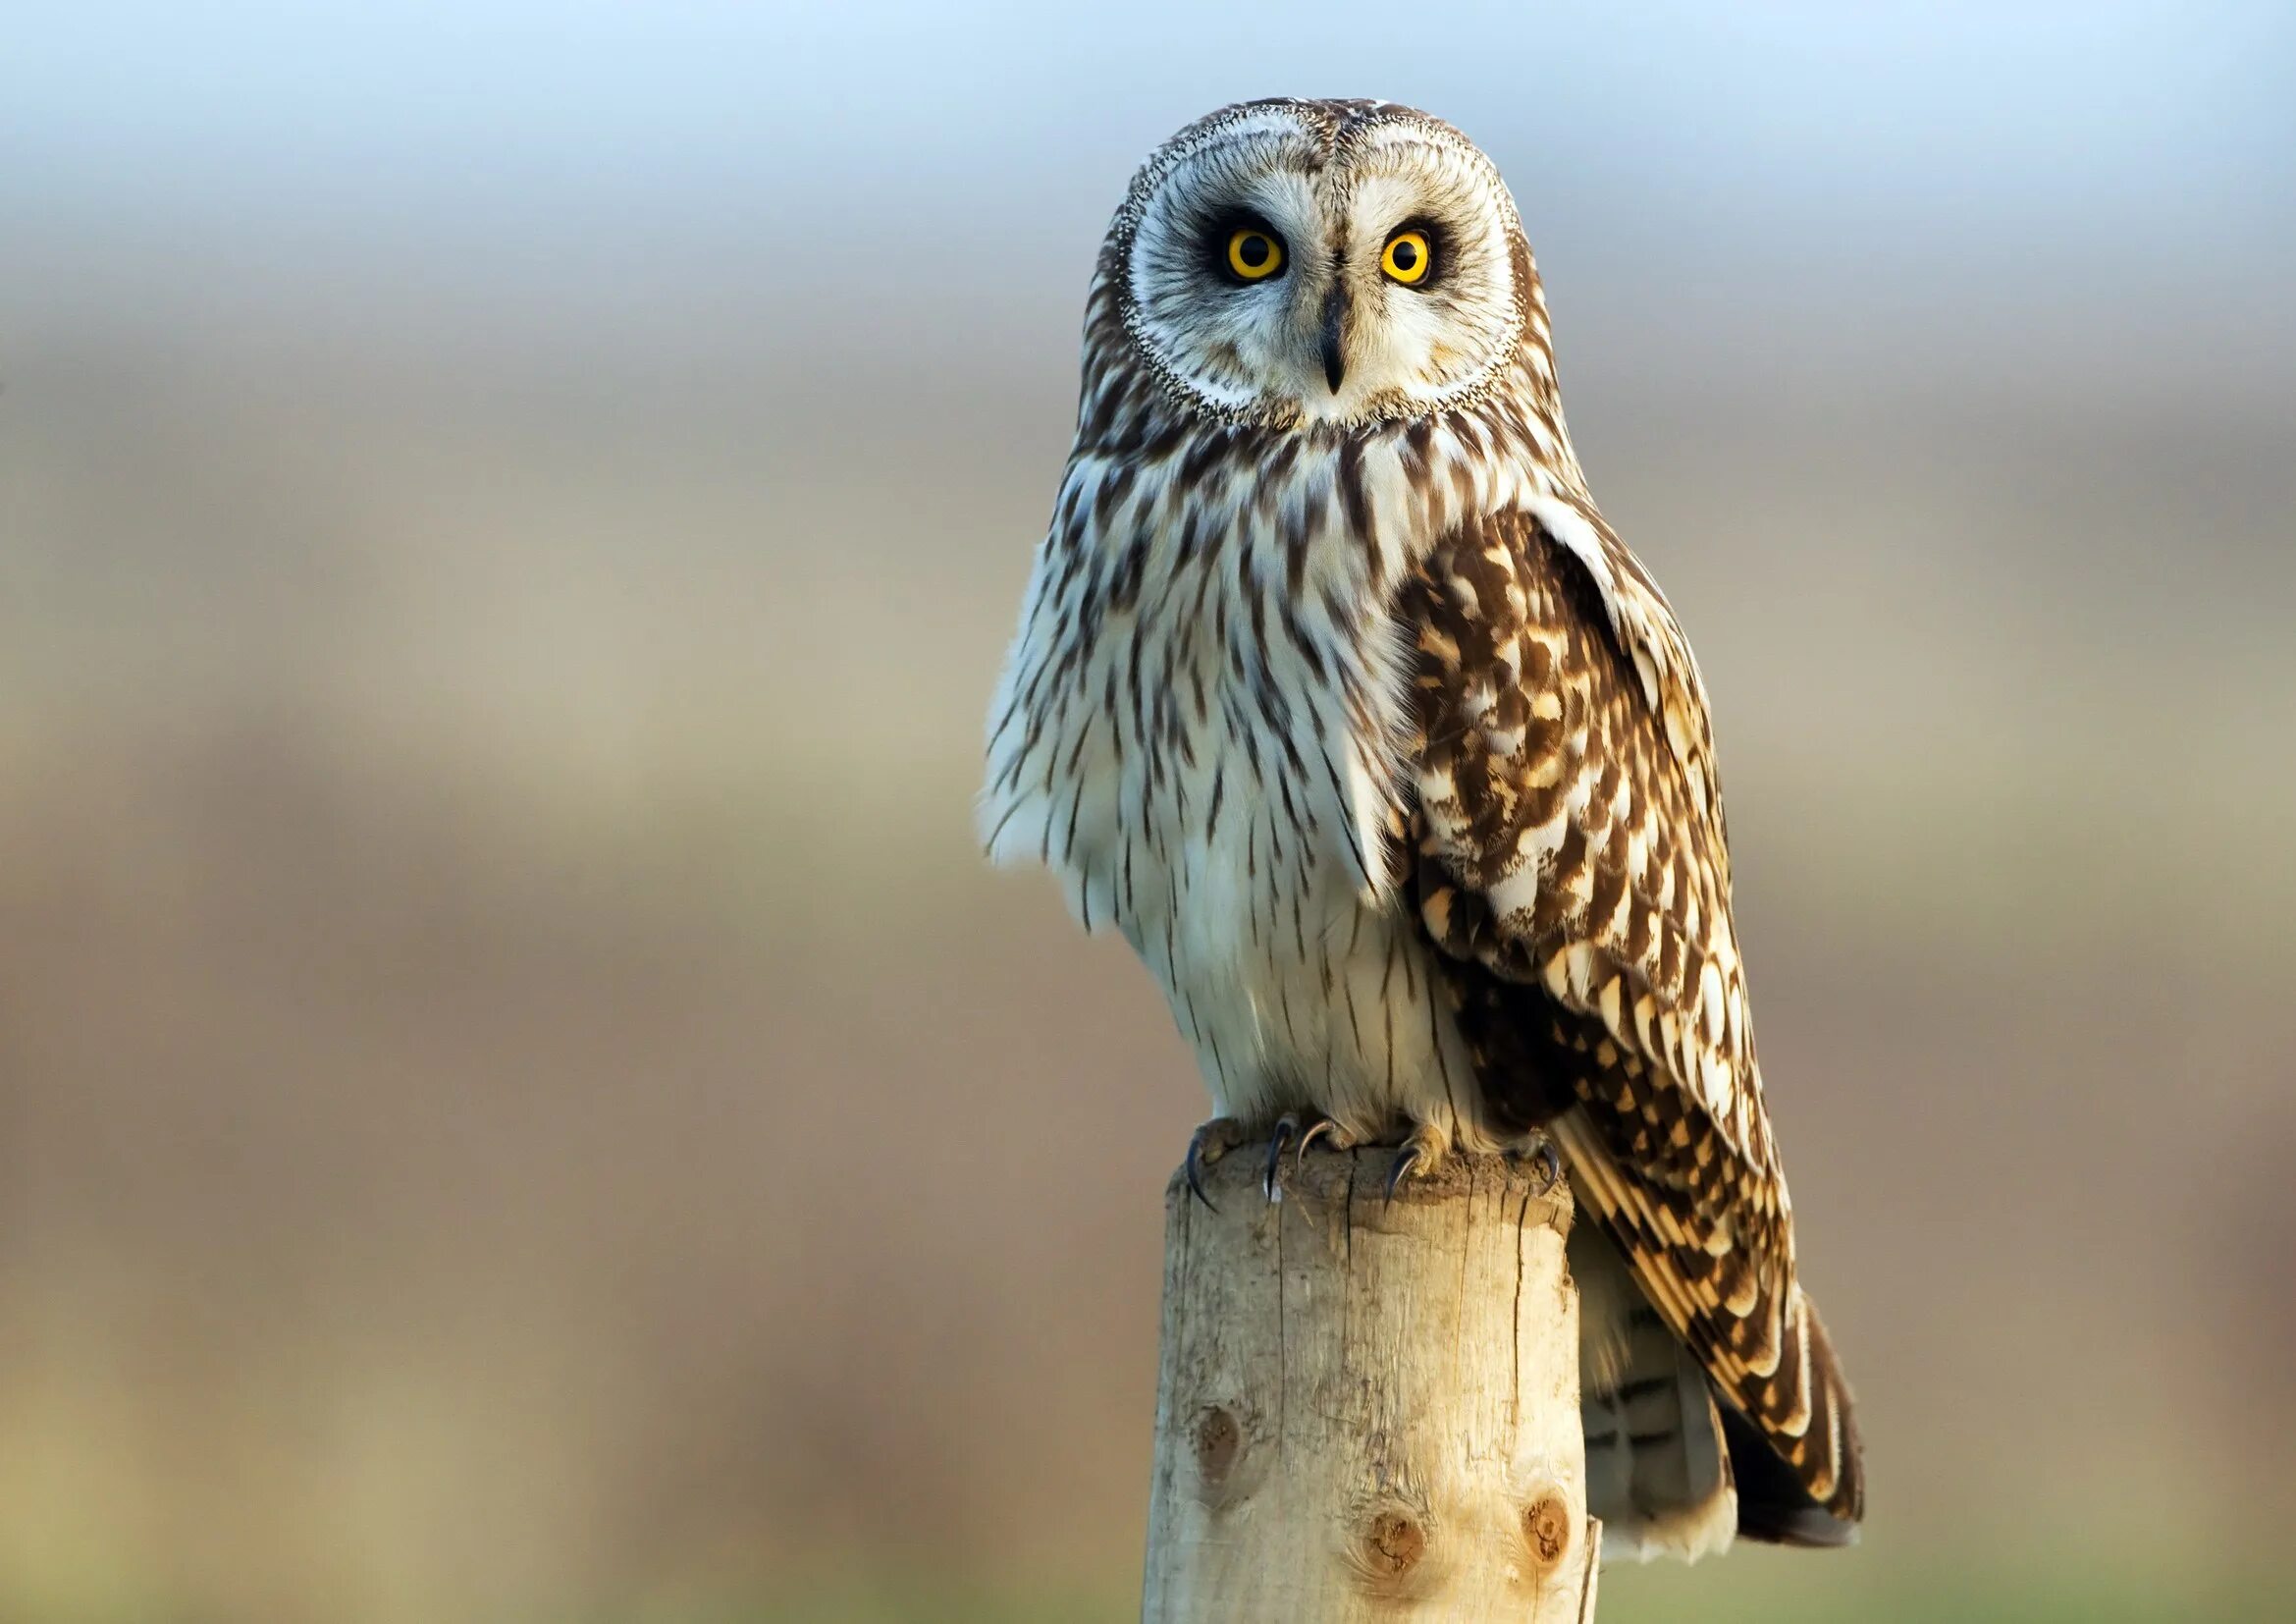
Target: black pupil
1407 254
1253 251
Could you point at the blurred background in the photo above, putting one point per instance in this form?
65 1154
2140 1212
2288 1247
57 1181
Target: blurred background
517 1096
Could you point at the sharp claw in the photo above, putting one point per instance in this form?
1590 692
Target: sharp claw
1552 1164
1270 1182
1404 1163
1322 1127
1193 1167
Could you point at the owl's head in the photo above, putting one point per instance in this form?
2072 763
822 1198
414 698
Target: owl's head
1322 262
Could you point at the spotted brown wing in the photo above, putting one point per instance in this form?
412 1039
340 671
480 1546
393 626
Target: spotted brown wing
1573 864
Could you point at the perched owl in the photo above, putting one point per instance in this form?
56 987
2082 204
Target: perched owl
1334 693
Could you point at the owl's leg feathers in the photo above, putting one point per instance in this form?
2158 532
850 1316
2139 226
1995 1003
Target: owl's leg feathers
1210 1141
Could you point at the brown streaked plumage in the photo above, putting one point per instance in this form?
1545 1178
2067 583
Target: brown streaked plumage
1609 1005
1334 694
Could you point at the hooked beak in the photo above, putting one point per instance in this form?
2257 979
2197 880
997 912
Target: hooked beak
1334 337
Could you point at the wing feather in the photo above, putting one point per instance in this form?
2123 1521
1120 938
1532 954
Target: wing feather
1573 864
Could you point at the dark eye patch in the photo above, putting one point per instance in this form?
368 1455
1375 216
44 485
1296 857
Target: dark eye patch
1234 239
1438 247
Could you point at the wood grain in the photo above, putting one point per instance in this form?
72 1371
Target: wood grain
1368 1410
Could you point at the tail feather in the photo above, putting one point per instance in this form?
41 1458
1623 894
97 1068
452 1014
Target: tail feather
1656 1471
1672 1469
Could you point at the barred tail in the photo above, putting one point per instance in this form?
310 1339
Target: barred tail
1656 1471
1674 1468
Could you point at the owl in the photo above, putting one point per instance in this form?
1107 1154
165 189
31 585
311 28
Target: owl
1336 696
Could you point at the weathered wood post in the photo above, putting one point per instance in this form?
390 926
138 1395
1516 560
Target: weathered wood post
1368 1410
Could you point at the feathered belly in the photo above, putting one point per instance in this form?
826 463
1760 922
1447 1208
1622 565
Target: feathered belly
1204 740
1298 987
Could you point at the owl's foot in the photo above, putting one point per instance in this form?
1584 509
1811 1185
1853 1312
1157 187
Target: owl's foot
1291 1127
1287 1129
1324 1128
1210 1141
1550 1166
1423 1153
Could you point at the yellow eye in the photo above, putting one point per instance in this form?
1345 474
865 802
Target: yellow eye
1407 256
1254 254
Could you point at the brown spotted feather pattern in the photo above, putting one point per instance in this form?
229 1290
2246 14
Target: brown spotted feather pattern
1574 866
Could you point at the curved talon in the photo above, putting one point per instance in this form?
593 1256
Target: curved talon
1192 1165
1323 1126
1551 1165
1270 1181
1404 1163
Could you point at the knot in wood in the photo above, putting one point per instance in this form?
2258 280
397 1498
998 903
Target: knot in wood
1393 1543
1546 1525
1217 1438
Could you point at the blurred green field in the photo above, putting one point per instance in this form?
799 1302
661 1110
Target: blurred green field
2015 1595
2069 1586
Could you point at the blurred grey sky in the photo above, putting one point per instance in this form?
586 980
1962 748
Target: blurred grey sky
2135 165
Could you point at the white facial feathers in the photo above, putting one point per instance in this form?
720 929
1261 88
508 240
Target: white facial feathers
1334 336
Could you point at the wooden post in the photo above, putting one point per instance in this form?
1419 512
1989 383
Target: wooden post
1368 1412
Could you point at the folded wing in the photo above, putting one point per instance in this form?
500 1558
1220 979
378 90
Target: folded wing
1572 863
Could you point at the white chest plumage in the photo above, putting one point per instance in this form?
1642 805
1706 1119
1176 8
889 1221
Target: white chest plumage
1201 730
1297 993
1250 876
